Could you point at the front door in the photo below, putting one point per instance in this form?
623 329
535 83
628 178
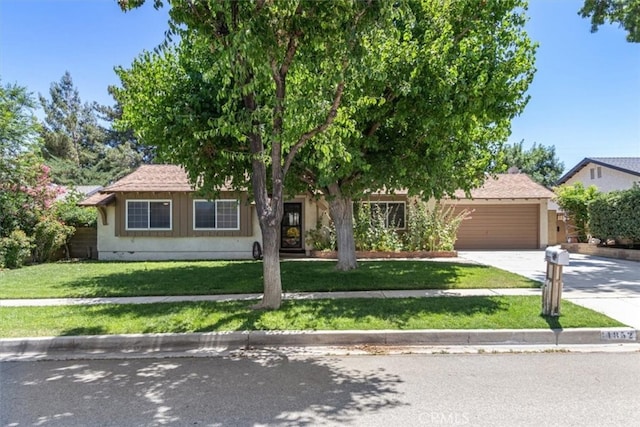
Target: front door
291 237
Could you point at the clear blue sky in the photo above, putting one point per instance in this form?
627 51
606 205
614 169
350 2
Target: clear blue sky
585 98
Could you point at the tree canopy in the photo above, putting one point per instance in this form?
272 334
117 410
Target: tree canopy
626 13
539 162
429 112
19 129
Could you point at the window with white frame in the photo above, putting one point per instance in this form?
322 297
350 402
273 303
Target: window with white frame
148 215
216 215
393 213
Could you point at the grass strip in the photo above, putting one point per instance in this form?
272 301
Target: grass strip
115 279
366 314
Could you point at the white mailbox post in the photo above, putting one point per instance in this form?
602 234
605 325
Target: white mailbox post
552 288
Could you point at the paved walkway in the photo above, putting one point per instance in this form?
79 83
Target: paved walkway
248 297
605 285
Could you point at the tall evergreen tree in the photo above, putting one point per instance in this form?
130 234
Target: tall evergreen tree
72 137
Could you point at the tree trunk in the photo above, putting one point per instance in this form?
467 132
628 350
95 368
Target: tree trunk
272 297
341 210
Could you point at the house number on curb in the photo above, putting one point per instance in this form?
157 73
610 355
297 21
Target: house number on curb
618 335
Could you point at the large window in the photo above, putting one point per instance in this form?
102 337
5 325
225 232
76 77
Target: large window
392 213
216 215
148 214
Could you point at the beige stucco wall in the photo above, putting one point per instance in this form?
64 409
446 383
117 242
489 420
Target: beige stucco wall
611 179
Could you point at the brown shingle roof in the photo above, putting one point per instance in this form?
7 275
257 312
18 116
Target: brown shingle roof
509 186
98 199
153 178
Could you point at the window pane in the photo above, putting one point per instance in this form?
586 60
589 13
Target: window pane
227 214
159 215
137 215
205 215
396 215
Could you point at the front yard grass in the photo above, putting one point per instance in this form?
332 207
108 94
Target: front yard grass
121 279
342 314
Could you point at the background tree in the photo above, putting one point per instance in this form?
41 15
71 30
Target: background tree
624 12
19 160
80 143
264 59
71 135
18 132
121 152
539 162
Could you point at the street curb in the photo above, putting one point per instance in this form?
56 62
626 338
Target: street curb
148 344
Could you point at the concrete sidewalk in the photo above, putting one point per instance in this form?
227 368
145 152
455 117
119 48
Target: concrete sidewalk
288 296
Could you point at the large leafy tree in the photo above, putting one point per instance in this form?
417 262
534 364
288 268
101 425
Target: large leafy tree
430 112
626 13
18 131
539 162
19 160
264 60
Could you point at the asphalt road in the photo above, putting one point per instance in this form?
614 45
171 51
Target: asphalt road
560 389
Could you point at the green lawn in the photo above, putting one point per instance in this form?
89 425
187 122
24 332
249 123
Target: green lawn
111 279
343 314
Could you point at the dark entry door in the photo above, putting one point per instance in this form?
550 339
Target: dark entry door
291 229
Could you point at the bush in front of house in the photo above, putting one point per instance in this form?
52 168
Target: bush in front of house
574 201
371 231
614 216
323 237
434 229
14 249
70 213
428 229
49 235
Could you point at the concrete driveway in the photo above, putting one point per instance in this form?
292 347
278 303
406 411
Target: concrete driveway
607 285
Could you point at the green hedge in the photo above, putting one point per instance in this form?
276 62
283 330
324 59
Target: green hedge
616 215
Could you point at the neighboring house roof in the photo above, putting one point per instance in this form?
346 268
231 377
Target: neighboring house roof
630 165
85 190
509 186
88 190
98 199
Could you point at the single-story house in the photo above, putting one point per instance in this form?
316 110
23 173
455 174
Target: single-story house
154 213
606 173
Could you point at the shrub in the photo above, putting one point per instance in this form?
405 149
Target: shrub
70 213
574 201
432 229
323 237
371 232
49 235
14 249
614 215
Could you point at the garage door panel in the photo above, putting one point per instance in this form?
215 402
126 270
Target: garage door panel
499 227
